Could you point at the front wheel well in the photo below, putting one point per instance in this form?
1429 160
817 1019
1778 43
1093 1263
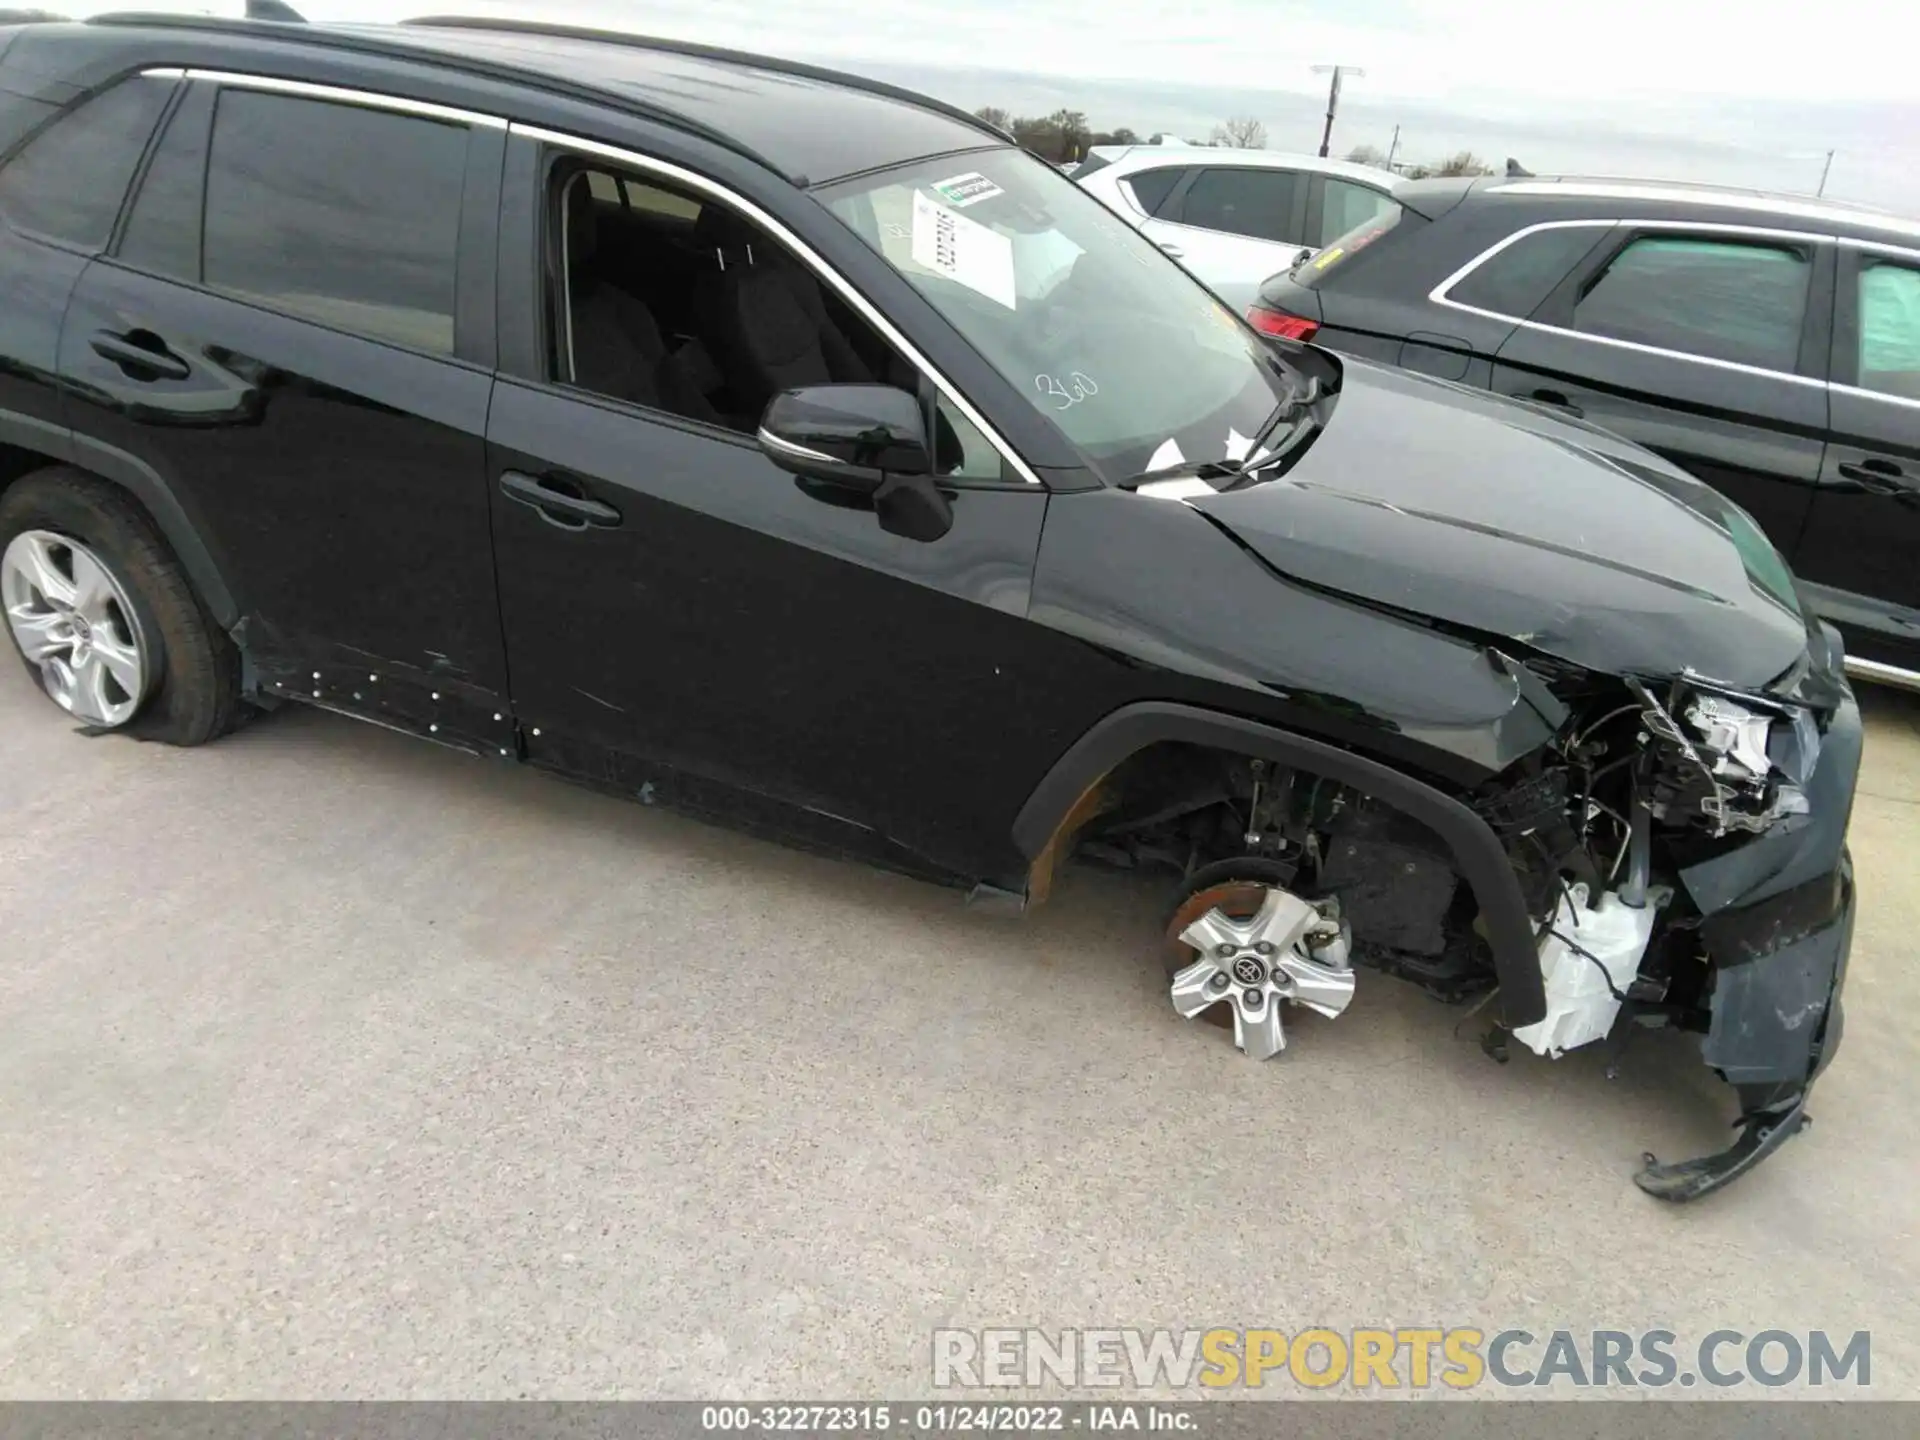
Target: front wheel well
1153 761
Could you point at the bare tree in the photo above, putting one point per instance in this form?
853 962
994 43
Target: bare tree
1463 163
1368 155
1242 132
996 117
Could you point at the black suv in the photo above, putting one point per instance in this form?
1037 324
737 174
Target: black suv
1769 345
737 436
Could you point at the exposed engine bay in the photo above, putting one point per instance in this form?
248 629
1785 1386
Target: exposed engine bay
1288 880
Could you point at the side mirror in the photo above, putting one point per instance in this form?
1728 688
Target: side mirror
853 434
868 439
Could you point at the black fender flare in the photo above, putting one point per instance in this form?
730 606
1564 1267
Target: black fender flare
145 484
1477 852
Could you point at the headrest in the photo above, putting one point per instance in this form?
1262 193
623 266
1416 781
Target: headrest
723 236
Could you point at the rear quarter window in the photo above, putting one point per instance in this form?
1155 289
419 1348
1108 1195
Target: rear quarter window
1514 279
67 182
1152 187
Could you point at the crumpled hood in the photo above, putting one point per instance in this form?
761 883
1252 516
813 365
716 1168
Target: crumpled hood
1508 519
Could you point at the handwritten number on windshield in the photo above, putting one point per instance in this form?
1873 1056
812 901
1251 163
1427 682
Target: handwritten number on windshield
1070 392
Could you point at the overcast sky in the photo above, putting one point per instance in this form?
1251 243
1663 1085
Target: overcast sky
1754 93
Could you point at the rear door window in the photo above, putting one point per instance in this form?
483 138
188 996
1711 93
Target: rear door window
1890 328
1516 278
67 182
340 214
1730 300
1254 203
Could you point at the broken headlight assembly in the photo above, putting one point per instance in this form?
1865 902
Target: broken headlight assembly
1723 761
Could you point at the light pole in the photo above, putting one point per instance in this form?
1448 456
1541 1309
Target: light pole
1333 99
1825 170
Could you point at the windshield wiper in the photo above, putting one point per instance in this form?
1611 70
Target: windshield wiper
1266 449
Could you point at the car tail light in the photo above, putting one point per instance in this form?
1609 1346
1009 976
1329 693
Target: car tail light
1278 322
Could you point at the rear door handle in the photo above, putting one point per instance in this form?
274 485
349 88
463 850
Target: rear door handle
555 505
1879 477
1558 400
1169 248
140 350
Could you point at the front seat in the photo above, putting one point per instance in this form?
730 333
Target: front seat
614 344
765 317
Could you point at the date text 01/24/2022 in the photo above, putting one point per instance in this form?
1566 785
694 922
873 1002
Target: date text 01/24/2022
943 1418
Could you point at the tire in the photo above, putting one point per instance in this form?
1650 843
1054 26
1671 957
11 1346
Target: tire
192 669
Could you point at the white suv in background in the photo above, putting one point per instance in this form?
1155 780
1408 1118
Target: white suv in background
1234 217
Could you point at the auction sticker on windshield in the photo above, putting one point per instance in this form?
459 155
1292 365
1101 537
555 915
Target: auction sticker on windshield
963 250
971 188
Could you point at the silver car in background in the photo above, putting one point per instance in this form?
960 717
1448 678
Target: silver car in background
1234 217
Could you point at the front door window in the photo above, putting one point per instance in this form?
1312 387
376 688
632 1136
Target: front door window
673 301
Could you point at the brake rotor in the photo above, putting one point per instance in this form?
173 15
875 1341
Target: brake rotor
1240 899
1244 951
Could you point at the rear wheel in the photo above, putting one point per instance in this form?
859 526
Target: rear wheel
103 617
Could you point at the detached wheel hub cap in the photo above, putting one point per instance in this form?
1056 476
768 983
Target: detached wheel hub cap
1257 948
74 623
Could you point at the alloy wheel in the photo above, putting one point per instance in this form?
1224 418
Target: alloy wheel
72 620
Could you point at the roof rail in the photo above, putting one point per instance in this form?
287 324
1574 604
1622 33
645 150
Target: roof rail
367 41
712 52
1665 182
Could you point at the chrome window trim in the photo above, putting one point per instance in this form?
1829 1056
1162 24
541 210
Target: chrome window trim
365 99
1438 295
1881 247
844 288
1824 214
1880 395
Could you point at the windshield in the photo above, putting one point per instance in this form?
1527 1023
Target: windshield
1138 364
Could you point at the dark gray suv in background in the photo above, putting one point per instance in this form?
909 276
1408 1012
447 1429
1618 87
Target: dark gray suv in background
1768 344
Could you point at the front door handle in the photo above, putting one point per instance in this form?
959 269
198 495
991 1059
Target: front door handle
1558 400
1879 477
1170 248
140 350
554 502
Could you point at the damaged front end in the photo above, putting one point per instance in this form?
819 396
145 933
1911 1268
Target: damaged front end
1672 857
1707 887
